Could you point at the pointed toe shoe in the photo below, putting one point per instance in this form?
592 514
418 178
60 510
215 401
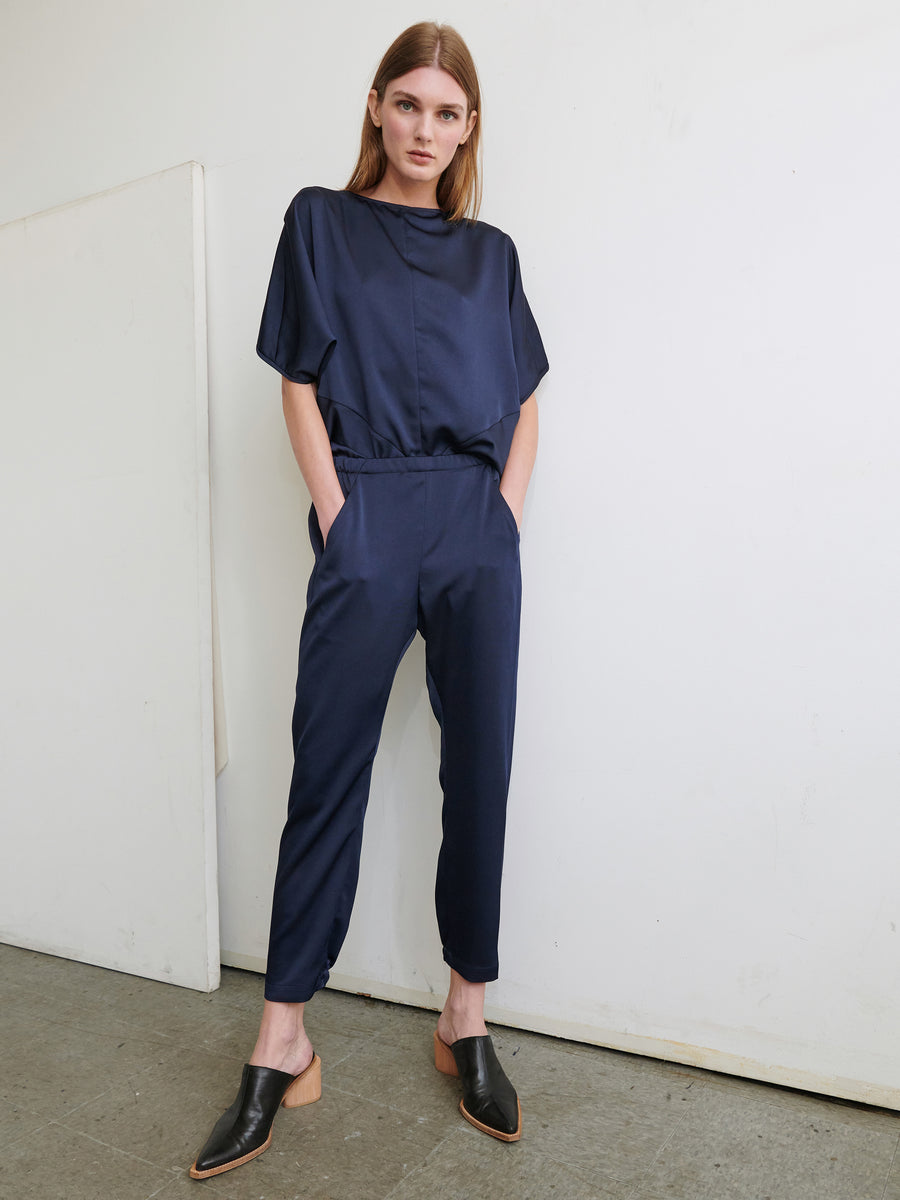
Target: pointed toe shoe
245 1129
489 1100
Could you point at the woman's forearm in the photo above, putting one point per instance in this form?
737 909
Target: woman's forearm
520 463
312 450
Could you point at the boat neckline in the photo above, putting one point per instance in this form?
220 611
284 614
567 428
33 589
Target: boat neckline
394 204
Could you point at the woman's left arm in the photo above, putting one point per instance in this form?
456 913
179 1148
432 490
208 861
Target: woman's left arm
522 453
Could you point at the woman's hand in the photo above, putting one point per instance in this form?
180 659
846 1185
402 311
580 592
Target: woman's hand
519 465
516 508
326 521
312 450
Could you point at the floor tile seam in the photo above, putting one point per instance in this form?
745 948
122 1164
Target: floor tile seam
636 1192
21 1137
594 1178
49 987
19 1003
336 1062
135 1033
367 1035
404 1112
890 1169
71 1111
115 1149
193 1048
221 1003
181 1173
364 1039
455 1133
59 1023
380 1034
40 989
586 1174
162 1188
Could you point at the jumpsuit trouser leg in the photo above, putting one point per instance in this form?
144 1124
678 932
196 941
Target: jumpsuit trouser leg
420 542
469 605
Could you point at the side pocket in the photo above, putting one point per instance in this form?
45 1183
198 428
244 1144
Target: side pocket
348 486
510 515
318 543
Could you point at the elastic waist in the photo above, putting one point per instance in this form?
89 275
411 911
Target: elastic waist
407 462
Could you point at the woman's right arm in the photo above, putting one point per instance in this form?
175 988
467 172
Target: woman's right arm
312 450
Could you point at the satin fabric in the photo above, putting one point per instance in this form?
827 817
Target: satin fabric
416 329
423 543
422 344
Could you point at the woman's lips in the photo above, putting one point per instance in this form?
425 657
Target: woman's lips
420 155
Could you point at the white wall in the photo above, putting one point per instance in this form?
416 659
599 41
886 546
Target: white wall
701 854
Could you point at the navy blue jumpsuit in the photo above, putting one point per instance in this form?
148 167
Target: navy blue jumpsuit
418 335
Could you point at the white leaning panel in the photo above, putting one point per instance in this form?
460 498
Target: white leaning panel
106 729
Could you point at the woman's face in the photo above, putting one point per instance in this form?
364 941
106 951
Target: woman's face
423 121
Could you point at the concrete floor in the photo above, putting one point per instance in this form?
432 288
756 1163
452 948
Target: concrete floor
109 1085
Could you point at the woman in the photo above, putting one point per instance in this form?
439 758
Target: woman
409 358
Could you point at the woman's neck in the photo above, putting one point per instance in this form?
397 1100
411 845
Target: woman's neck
404 191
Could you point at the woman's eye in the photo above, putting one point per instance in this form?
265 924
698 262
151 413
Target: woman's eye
448 113
407 103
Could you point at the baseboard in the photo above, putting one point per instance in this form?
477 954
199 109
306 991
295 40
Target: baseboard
676 1052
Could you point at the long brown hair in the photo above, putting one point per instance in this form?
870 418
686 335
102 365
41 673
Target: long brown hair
424 45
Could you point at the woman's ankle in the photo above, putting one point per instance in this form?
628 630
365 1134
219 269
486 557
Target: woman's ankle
292 1056
453 1025
463 1012
282 1041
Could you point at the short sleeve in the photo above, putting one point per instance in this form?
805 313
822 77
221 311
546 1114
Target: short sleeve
294 333
531 360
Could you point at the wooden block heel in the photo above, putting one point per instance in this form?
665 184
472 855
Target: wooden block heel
443 1057
307 1087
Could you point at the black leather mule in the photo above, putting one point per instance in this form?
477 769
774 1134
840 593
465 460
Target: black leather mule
245 1129
489 1100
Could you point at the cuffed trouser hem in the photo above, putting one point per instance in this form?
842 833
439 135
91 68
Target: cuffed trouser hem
469 972
293 994
280 997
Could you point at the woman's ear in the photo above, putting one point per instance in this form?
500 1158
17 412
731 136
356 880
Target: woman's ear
470 125
374 108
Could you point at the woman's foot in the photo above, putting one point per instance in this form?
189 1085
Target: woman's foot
244 1130
282 1070
489 1100
463 1047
